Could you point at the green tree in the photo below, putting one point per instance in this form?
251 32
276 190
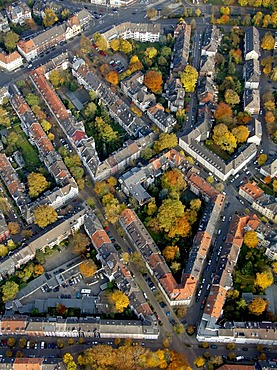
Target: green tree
90 110
4 206
49 17
37 184
179 328
262 159
166 51
32 99
3 250
65 13
195 204
189 78
55 78
10 40
9 290
44 215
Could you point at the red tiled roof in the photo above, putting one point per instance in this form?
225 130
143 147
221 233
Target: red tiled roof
215 301
78 136
203 185
8 58
236 367
49 94
128 216
27 46
99 238
252 189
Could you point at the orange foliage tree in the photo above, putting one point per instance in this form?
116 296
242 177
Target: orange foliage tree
223 113
88 268
112 77
173 180
153 80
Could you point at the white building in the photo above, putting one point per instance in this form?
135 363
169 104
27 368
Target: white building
10 62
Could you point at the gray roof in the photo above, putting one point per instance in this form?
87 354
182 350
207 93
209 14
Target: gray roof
252 40
251 70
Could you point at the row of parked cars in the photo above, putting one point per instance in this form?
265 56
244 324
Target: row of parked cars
117 65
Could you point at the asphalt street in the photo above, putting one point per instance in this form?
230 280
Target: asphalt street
177 342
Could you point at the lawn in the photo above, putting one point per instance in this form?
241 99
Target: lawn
266 189
216 149
244 279
29 153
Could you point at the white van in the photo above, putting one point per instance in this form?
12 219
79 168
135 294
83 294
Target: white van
240 358
42 345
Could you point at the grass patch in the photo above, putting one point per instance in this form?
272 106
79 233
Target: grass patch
217 150
29 153
242 279
267 189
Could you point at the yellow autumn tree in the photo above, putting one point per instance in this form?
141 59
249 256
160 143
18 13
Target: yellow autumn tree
170 252
189 78
264 279
199 361
250 239
120 300
257 306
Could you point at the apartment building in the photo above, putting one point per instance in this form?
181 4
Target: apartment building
250 191
193 144
180 53
10 62
252 44
163 120
251 74
143 32
86 327
211 40
44 41
51 235
209 329
4 23
4 231
18 13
